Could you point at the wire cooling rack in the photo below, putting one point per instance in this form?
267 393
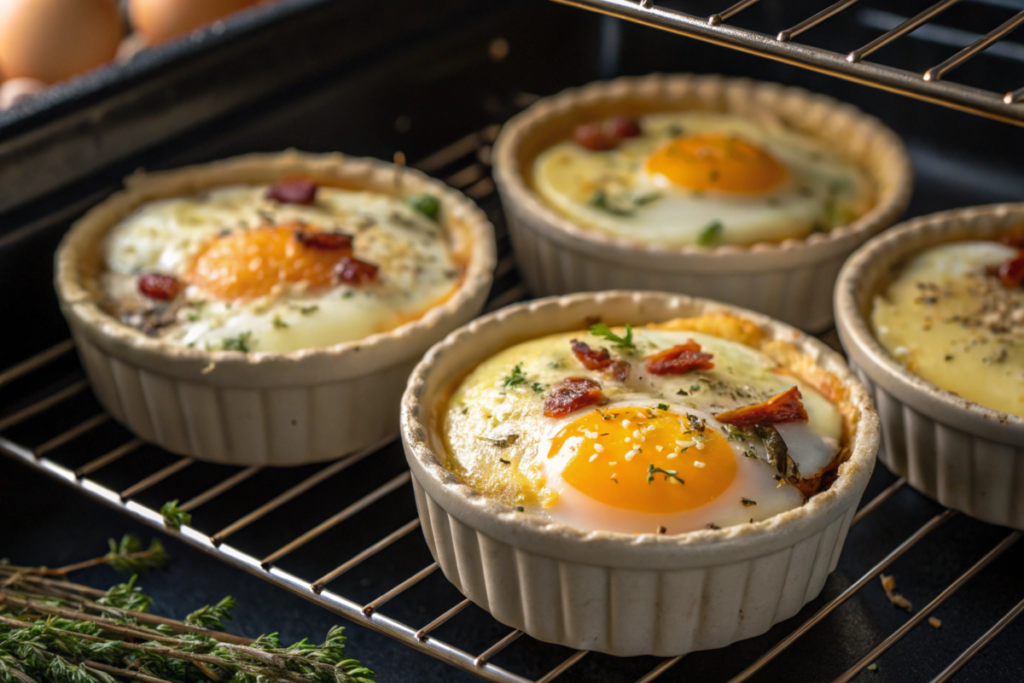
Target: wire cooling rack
52 424
930 85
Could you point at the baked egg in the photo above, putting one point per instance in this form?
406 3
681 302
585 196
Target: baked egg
661 429
700 178
279 268
954 315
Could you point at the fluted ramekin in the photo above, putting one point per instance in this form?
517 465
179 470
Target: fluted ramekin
962 454
791 280
620 593
261 408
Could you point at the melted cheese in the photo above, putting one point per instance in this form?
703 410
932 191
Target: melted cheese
947 320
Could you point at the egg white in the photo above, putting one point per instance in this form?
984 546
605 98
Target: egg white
821 189
417 268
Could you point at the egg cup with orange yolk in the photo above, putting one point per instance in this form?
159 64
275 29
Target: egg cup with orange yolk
749 193
674 485
267 309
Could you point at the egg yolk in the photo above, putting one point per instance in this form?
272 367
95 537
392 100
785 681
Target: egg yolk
250 264
713 161
645 460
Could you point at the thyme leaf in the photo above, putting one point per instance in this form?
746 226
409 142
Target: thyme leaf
426 204
669 474
175 517
602 330
711 235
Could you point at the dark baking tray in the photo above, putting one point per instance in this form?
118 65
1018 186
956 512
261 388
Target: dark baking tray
420 95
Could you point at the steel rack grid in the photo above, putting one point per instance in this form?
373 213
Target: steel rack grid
930 85
464 165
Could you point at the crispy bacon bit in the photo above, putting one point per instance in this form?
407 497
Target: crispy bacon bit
784 407
679 360
593 136
352 271
293 191
622 127
1011 273
160 287
604 135
599 360
324 240
571 394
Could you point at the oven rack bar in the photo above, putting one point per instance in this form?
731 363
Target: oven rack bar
929 86
373 614
370 614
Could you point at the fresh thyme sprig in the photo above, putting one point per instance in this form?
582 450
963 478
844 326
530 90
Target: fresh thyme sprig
626 342
50 633
212 616
175 517
126 556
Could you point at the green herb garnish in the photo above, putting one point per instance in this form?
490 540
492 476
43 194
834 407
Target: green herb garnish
213 616
711 235
514 378
669 474
662 406
280 324
175 517
537 387
503 442
427 204
239 343
599 200
126 596
130 557
602 330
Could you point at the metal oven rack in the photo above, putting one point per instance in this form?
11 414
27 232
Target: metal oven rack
929 85
121 475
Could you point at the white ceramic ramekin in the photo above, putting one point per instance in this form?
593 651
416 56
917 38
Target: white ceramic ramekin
791 280
964 455
620 593
261 408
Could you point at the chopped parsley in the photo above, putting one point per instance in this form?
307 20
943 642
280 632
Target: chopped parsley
240 343
537 387
602 330
515 378
427 204
662 406
711 235
599 200
669 474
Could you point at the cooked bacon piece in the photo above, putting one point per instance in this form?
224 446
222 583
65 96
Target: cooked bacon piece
160 287
599 360
293 191
1011 273
784 407
571 394
679 360
352 271
622 127
324 240
594 137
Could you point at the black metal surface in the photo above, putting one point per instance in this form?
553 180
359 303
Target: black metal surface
444 85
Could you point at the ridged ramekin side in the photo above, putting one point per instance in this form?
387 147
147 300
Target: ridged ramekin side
799 294
626 611
962 471
272 426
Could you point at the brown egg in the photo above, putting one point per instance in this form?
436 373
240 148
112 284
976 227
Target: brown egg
160 20
53 40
